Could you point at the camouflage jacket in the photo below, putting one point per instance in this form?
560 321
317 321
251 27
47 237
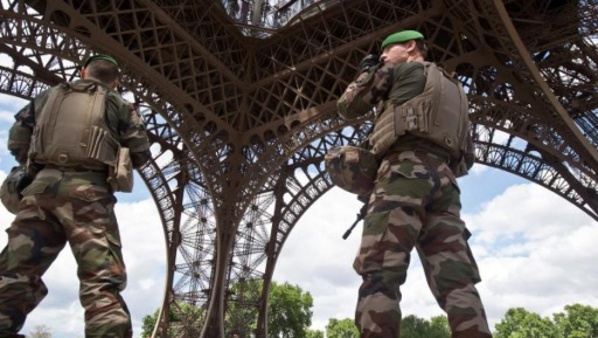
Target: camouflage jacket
124 121
389 83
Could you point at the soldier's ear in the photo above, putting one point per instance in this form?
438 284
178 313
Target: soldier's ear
83 73
410 45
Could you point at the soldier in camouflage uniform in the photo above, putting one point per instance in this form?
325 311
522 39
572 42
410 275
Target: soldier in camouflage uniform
416 200
70 200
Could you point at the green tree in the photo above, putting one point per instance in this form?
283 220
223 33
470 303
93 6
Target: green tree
415 327
148 323
344 328
315 334
289 311
439 327
40 331
578 321
184 310
520 323
242 307
412 326
289 308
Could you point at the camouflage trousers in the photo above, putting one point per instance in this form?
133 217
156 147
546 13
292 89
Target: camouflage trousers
416 203
57 208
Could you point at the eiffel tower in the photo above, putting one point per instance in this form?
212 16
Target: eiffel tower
239 100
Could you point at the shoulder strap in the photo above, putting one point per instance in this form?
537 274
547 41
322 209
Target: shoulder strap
47 116
88 87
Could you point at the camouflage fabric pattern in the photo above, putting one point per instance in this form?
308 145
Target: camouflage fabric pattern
10 191
352 169
363 93
60 207
416 203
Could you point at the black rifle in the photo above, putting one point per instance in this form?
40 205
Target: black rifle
360 216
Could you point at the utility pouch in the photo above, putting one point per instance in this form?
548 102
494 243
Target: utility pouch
120 177
101 146
386 131
352 169
10 192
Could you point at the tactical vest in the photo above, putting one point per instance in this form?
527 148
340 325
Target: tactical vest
439 114
71 131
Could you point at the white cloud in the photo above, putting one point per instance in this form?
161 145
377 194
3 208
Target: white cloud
526 212
6 116
540 252
478 169
10 104
4 154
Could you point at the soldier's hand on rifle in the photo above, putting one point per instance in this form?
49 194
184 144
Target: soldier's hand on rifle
369 61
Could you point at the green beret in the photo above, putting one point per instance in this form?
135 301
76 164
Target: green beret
402 36
100 57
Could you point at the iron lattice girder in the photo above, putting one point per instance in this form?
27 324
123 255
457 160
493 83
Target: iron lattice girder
239 120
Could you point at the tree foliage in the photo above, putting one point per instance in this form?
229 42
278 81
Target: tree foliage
289 312
440 325
520 323
578 321
289 309
40 331
415 327
315 334
411 327
185 310
148 323
344 328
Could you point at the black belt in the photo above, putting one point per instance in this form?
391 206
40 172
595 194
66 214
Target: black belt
77 169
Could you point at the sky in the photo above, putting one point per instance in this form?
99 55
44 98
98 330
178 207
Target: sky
535 250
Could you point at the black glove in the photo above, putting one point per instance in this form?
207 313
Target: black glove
369 61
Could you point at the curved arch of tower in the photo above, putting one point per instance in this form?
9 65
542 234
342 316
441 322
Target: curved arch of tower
239 99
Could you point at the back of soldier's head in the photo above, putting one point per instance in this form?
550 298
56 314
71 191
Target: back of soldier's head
102 67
